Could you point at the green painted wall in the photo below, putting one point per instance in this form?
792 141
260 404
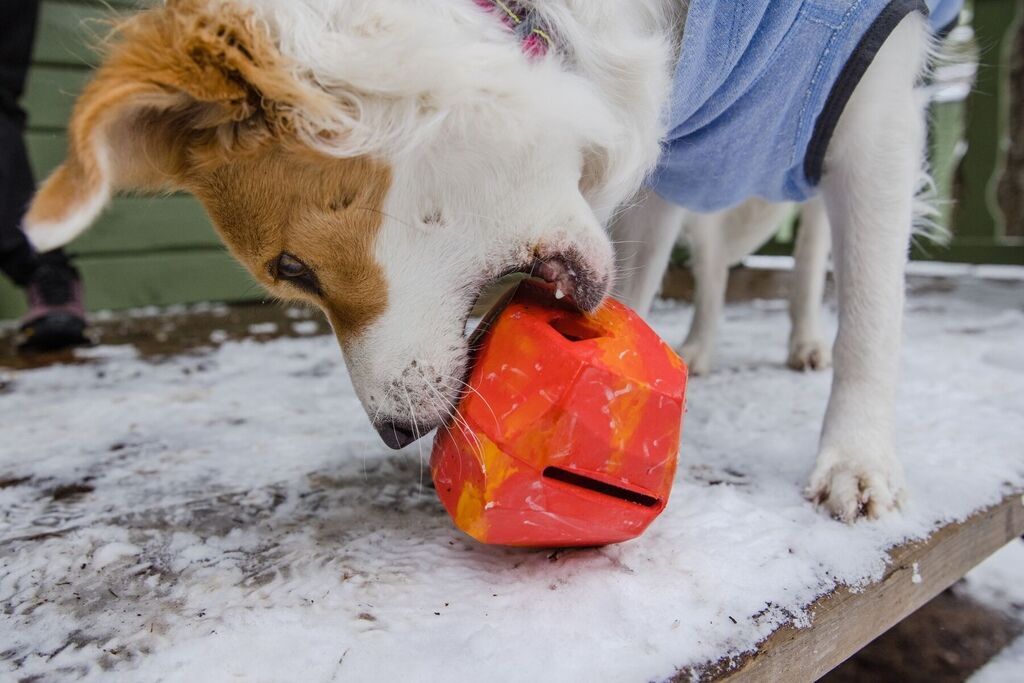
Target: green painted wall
157 251
143 251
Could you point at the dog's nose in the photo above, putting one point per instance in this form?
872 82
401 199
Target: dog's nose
573 279
395 434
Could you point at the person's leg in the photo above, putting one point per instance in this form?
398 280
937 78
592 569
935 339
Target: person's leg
17 259
52 285
17 26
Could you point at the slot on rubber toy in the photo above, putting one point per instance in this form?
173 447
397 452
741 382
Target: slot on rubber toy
574 330
597 486
568 432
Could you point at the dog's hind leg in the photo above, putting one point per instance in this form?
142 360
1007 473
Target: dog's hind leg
872 168
807 346
709 263
644 237
718 241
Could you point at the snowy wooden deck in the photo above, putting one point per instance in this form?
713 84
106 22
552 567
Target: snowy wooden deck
200 498
843 621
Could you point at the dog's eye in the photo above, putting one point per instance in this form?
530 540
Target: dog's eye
291 269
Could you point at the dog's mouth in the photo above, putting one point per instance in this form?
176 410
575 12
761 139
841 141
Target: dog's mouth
571 283
568 277
572 278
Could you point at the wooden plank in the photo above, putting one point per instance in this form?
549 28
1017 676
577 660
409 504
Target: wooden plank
164 279
155 279
1010 191
131 223
1007 252
977 213
68 32
845 621
12 300
138 224
46 150
50 94
945 133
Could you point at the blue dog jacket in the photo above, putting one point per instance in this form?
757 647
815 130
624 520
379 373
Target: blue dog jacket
759 88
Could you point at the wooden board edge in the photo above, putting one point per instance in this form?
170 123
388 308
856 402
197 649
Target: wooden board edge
845 620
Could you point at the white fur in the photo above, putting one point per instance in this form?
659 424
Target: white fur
517 157
874 163
497 159
412 79
48 235
645 238
873 171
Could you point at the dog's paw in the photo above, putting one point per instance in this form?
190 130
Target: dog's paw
851 487
809 354
697 357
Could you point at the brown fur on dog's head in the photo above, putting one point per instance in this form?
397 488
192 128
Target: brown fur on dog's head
379 158
193 99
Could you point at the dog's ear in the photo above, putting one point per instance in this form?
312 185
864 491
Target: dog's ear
181 87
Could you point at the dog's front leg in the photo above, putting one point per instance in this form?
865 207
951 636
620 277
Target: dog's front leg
873 165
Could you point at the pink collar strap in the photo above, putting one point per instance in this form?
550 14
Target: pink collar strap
524 23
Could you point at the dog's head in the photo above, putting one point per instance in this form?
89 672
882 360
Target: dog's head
381 160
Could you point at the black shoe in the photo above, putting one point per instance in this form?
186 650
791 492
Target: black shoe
56 316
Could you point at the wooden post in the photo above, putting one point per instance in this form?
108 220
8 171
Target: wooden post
1011 186
979 230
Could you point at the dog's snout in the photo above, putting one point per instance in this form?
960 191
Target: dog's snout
396 434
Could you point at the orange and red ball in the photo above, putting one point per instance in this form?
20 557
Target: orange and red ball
569 434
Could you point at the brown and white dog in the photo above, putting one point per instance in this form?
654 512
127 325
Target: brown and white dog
387 159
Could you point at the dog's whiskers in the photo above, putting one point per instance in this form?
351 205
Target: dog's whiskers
416 430
457 416
469 387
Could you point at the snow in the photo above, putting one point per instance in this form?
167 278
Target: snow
999 583
112 552
262 328
927 269
236 516
1006 667
306 327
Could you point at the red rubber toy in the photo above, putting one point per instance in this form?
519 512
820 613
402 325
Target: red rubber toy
569 434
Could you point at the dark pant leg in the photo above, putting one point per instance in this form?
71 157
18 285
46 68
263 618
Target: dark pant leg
17 259
17 31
